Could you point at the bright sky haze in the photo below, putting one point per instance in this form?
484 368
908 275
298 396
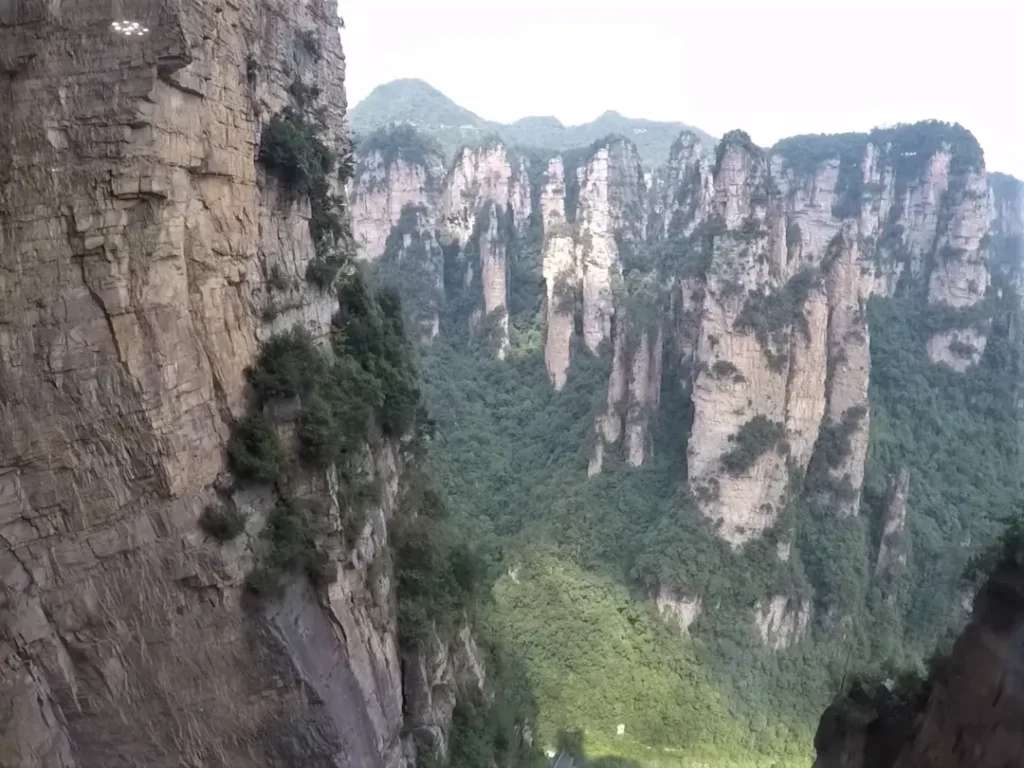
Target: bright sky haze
774 69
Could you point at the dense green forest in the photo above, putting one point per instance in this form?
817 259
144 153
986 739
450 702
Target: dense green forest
573 561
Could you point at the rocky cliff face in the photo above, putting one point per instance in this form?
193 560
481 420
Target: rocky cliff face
559 270
967 713
145 256
803 242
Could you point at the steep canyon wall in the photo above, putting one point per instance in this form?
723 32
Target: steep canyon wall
144 257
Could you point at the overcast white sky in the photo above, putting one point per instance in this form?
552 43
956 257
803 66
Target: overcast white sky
772 68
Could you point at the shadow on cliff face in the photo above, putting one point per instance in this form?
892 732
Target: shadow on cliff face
869 726
969 710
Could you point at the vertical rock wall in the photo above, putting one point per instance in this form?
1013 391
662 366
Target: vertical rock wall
561 275
141 247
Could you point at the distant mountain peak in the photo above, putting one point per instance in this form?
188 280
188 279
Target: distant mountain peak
418 103
546 121
410 100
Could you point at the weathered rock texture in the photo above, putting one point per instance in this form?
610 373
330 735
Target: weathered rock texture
140 248
969 713
892 550
799 248
782 621
560 273
388 179
436 677
678 609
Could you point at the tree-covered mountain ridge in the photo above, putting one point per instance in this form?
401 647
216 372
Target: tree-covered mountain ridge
418 104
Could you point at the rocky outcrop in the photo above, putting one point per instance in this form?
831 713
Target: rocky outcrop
610 212
682 193
611 221
843 440
561 275
413 264
634 390
782 621
464 219
742 366
892 549
957 349
436 677
644 395
960 273
805 236
967 713
481 177
486 202
1007 246
393 171
678 609
145 257
494 280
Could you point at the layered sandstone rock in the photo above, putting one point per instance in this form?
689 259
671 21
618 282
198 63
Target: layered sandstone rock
141 248
472 211
846 226
742 368
610 212
611 222
480 177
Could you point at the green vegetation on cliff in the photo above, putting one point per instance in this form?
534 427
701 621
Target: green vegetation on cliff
292 149
960 436
346 398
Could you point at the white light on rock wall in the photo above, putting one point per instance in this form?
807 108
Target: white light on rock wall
129 28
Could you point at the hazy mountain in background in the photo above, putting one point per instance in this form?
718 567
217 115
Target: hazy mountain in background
418 103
